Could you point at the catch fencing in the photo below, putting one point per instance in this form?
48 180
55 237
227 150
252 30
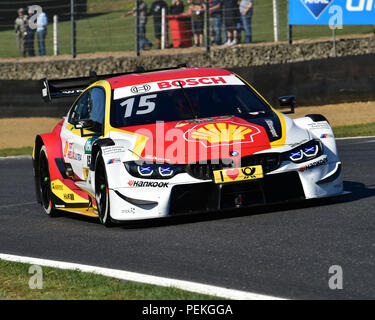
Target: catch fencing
92 26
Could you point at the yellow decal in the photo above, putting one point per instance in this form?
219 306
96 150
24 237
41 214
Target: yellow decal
238 174
65 193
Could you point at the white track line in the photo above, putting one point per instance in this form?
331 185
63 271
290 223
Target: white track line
144 278
16 157
350 138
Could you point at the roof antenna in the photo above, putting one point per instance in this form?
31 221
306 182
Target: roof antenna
140 69
93 75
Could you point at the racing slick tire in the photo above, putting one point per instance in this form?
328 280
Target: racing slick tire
45 184
102 192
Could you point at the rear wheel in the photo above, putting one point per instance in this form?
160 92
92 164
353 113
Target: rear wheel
102 192
45 183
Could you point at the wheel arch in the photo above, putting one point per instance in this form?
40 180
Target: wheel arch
52 144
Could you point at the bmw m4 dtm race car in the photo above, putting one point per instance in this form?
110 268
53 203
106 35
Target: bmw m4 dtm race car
151 144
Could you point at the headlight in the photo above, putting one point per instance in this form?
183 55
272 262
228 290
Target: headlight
305 152
153 171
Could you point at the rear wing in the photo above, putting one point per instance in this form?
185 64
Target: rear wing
73 87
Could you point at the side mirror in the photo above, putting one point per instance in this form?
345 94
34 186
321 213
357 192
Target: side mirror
287 101
89 125
84 124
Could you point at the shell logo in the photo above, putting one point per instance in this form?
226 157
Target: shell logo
221 133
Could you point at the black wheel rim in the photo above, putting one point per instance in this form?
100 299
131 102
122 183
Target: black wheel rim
103 194
44 181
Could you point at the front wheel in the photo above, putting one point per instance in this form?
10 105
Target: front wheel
102 192
45 183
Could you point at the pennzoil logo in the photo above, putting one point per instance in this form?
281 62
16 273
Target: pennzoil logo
221 133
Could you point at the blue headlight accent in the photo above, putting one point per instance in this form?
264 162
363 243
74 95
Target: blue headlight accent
145 170
305 152
296 155
165 171
311 151
153 170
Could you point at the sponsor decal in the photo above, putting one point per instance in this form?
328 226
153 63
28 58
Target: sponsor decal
88 145
140 88
271 127
56 186
314 164
316 7
220 133
59 206
69 152
158 86
68 196
128 211
88 160
234 153
113 149
191 82
319 125
115 160
197 121
324 136
238 174
148 184
85 172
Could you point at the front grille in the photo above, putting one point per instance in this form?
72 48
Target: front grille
208 196
269 161
205 171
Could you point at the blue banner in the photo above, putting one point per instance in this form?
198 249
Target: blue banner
332 12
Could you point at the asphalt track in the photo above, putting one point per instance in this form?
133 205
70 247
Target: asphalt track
279 251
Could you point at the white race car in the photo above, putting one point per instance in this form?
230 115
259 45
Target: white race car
153 144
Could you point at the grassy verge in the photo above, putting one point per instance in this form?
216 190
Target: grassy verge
16 151
67 284
357 130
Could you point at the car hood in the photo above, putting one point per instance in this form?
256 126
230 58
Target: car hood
205 139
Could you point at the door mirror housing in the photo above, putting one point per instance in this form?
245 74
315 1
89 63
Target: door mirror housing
87 124
84 124
287 101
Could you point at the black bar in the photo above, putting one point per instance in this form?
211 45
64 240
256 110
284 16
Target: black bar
72 18
289 26
208 38
137 47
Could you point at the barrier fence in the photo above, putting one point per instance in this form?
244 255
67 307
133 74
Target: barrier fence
90 26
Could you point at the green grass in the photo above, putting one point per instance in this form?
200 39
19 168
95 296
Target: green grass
67 284
16 151
357 130
108 32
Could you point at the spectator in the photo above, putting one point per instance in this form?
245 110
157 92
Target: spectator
196 9
144 43
231 12
155 11
30 34
177 7
246 10
216 15
20 29
41 30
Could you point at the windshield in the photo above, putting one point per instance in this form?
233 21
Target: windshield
187 103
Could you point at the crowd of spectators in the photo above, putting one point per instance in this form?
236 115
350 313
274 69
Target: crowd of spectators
228 18
25 27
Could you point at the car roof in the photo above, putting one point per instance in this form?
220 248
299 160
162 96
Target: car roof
140 78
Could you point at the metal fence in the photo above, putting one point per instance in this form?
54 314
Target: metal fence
91 26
